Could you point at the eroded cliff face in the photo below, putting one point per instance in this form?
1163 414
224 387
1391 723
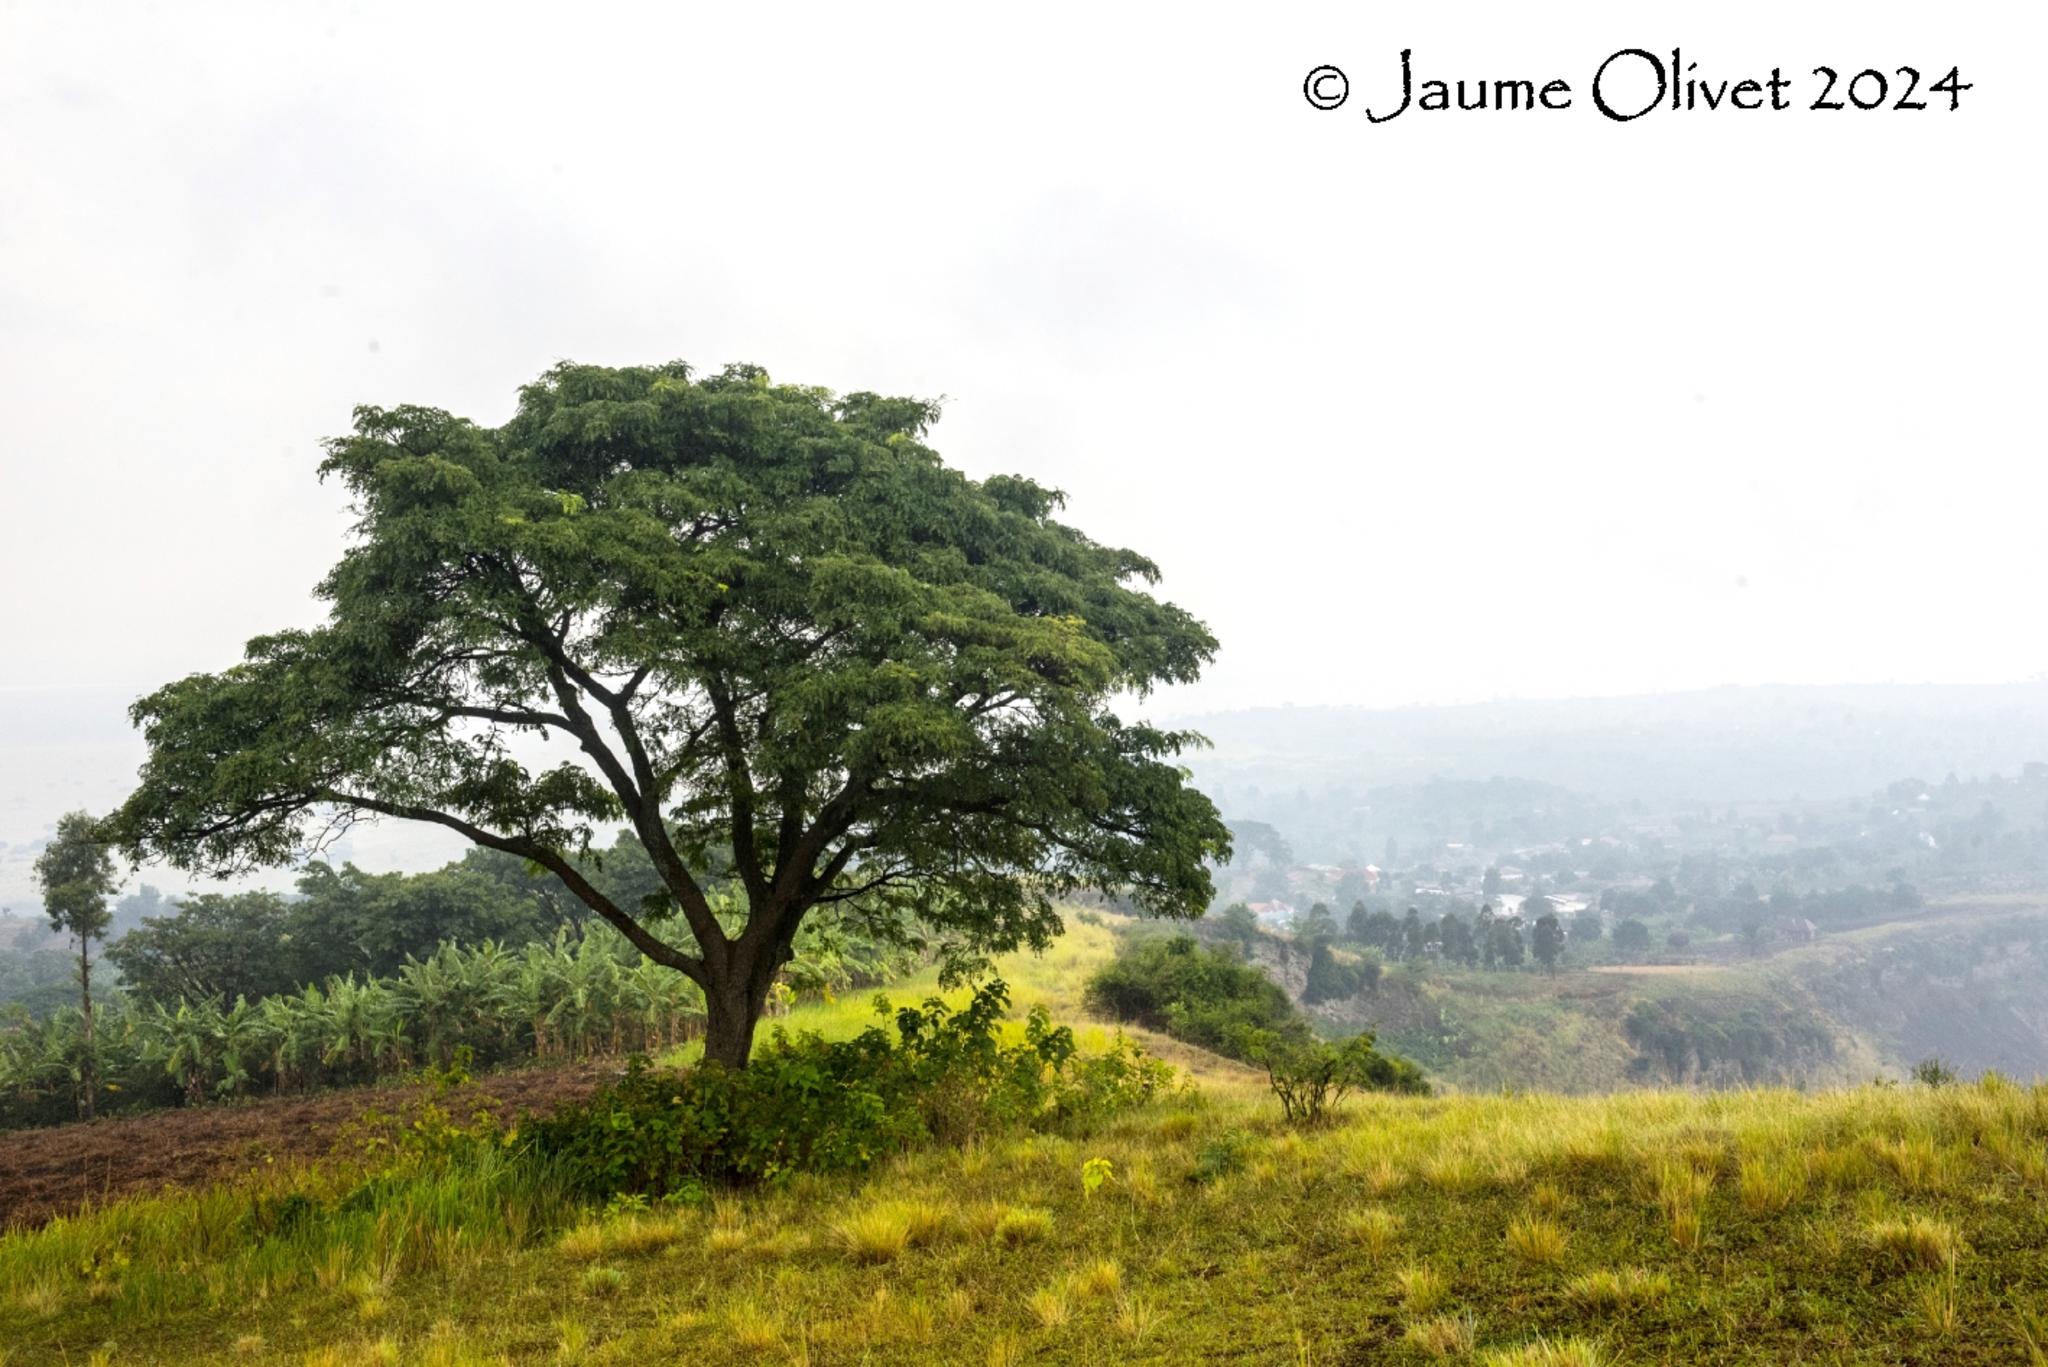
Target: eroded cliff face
1590 1032
1966 985
1972 991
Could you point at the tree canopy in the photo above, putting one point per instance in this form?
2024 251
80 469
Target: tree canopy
764 626
77 875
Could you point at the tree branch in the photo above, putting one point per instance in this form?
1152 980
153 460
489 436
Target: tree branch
740 787
550 859
565 676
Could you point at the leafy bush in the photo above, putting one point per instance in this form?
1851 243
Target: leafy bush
1310 1079
808 1105
1933 1072
1205 996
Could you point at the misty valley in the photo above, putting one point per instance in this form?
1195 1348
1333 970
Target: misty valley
1558 945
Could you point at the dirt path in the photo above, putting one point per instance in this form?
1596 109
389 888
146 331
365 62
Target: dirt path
50 1172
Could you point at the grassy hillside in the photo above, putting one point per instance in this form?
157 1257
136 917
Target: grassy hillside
1870 1225
1054 980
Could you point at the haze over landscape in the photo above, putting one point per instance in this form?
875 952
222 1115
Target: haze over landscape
61 750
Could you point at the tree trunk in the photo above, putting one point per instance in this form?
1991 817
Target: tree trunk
736 997
89 1065
729 1020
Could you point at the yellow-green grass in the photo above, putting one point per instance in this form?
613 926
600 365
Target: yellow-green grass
948 1256
1874 1225
1056 980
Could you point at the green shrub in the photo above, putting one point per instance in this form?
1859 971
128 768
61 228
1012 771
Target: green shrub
1310 1079
807 1105
1933 1072
1203 995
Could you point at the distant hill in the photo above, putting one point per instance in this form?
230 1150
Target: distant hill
1296 767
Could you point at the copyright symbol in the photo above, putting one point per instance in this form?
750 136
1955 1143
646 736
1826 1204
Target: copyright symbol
1326 87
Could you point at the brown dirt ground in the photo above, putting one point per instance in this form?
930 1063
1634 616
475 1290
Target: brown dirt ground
56 1171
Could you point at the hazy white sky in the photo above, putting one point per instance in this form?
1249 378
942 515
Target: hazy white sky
1457 406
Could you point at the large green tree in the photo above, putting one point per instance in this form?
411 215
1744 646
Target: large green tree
77 875
765 627
216 947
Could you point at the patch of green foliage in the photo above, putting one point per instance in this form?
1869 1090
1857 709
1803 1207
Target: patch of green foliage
806 1104
1333 979
1222 1154
219 946
1207 996
1201 994
1933 1072
581 992
1311 1078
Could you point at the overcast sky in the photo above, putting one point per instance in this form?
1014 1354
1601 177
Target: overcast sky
1453 407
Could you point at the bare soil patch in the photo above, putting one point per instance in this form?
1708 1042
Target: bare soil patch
56 1171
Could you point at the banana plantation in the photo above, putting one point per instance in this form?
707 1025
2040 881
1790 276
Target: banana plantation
584 993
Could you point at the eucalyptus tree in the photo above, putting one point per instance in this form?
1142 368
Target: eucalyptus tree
759 624
77 875
1318 926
